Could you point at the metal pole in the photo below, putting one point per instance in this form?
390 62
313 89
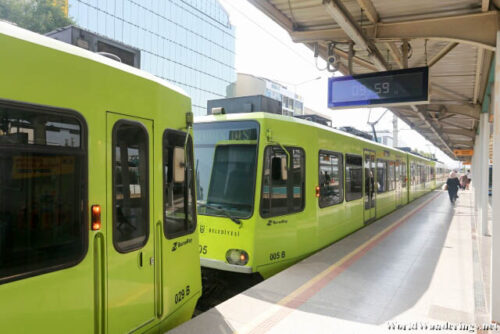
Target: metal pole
477 173
484 133
495 240
395 132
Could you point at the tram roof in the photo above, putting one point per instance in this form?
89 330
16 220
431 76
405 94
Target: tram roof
455 38
31 37
283 118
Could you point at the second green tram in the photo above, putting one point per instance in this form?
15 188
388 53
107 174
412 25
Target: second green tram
97 213
273 189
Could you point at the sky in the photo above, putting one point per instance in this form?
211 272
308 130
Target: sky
265 49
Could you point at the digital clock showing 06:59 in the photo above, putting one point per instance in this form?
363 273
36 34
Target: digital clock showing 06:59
407 86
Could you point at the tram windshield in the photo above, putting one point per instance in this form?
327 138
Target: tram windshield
226 159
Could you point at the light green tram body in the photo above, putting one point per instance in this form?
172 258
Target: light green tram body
100 293
300 234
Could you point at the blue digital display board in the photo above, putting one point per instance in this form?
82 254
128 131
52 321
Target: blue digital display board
382 88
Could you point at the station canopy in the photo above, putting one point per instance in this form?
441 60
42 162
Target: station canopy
454 38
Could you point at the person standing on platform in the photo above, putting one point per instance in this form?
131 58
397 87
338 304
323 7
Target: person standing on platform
452 185
463 181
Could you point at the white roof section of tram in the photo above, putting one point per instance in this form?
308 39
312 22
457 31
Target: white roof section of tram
455 38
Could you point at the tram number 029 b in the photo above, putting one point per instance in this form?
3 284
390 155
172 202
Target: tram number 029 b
277 255
179 296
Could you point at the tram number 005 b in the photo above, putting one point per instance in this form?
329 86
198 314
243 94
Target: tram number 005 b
179 296
203 249
277 255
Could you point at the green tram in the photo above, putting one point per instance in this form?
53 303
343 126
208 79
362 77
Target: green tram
97 215
274 189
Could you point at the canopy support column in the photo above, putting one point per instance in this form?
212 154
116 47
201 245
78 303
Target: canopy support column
495 240
484 133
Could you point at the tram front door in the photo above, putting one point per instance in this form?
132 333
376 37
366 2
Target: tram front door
369 187
398 185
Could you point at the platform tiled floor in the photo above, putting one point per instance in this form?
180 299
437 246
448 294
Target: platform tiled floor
415 267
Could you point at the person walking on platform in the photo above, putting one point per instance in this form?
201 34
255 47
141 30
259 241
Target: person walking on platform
452 185
463 181
468 179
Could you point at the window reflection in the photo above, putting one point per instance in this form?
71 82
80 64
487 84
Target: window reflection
178 196
42 178
130 184
226 160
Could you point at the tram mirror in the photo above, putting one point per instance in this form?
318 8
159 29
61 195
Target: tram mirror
179 165
278 168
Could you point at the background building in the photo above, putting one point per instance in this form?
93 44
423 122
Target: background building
385 137
189 43
247 84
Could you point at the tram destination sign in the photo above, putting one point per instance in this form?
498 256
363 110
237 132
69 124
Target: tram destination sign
399 87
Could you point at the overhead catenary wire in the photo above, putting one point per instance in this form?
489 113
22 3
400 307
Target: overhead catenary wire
230 4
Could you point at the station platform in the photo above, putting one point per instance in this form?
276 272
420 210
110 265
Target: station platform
417 269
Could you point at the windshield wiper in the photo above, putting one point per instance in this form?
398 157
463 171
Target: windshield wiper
227 214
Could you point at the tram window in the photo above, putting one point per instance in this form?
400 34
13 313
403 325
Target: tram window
130 186
283 195
178 196
330 179
421 173
381 176
42 192
297 178
390 176
403 174
413 174
353 177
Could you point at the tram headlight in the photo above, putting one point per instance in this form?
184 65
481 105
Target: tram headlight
237 256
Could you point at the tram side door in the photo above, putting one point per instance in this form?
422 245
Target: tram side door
369 186
397 177
130 235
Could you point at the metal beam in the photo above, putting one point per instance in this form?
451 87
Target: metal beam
474 29
483 81
485 5
455 125
460 132
405 49
470 111
356 60
452 102
443 52
464 142
447 92
425 117
477 77
445 116
372 15
343 54
396 55
369 9
344 19
267 8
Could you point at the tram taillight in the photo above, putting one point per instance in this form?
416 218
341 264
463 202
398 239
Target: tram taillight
96 217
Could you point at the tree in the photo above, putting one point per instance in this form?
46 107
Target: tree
39 16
